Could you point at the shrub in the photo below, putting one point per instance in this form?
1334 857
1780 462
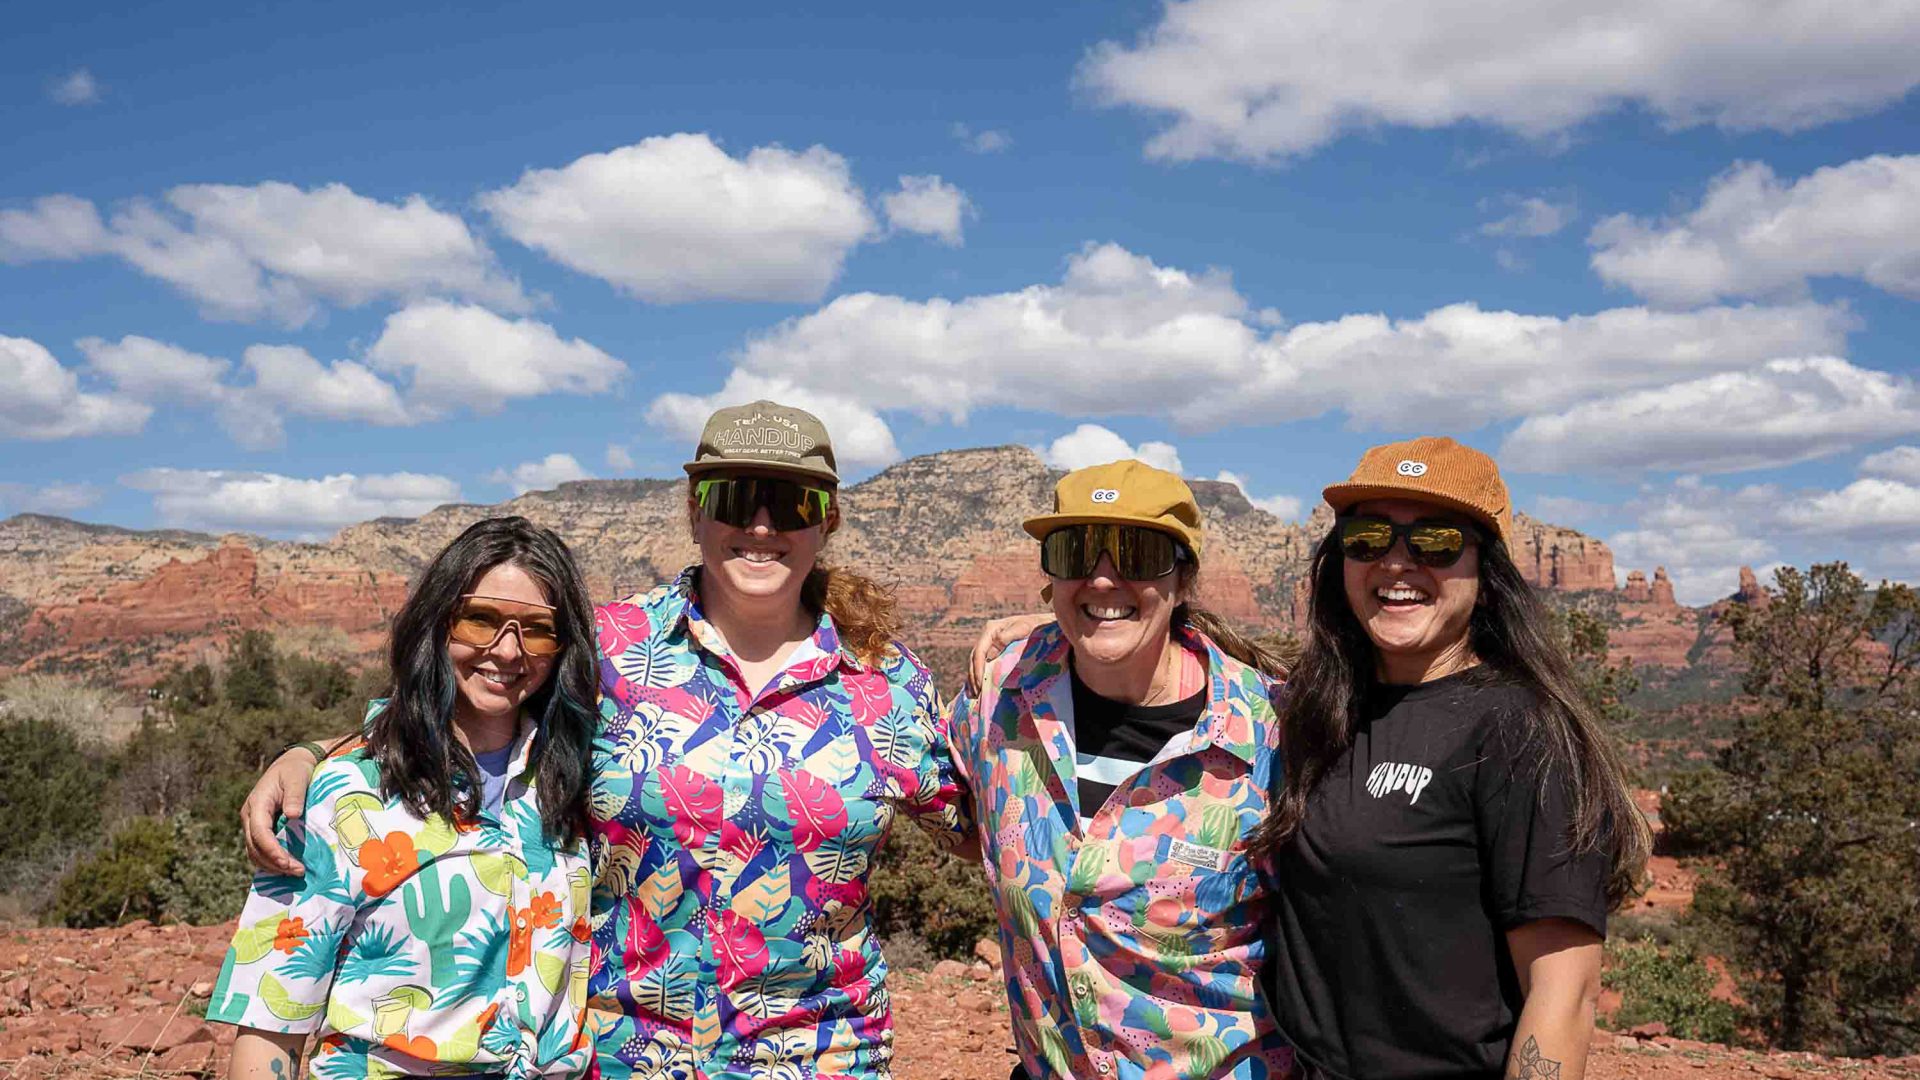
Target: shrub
50 790
1671 986
917 891
123 880
207 882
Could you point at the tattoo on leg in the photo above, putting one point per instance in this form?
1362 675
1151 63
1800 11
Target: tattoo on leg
1534 1067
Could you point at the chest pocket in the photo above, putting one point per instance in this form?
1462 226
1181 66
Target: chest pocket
1170 874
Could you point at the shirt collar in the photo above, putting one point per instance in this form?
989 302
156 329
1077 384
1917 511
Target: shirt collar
1235 692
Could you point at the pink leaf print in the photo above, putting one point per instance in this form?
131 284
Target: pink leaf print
819 814
870 695
619 626
694 802
646 945
738 842
739 949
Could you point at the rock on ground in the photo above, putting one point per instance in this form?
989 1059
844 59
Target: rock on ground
124 1003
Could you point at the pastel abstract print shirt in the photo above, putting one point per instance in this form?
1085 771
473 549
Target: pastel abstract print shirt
1133 942
733 830
417 946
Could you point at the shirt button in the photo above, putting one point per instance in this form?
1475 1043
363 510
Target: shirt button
1081 990
1103 1066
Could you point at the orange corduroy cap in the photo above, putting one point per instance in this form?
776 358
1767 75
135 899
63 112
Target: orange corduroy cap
1435 469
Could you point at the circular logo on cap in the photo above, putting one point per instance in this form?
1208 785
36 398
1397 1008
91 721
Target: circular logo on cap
1106 495
1411 468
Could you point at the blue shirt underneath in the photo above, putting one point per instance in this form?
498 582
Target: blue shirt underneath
493 779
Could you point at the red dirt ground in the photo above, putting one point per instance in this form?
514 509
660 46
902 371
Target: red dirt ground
120 1004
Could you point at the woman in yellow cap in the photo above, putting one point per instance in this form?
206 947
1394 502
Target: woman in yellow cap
1454 825
1117 761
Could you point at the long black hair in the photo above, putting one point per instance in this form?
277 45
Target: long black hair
1511 634
413 739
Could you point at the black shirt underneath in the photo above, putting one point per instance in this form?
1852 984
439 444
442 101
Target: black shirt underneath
1114 738
1441 829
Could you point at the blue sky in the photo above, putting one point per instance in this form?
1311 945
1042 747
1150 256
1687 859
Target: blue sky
286 268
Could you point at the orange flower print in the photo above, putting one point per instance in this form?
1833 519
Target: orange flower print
290 935
544 912
580 930
388 862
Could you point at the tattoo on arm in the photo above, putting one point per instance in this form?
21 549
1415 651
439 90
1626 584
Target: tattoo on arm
1532 1066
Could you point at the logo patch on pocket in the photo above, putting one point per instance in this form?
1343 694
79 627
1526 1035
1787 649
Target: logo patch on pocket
1198 856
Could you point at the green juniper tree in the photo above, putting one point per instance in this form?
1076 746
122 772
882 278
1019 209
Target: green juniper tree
1811 815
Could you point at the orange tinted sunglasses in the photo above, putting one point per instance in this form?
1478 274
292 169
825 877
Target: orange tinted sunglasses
480 621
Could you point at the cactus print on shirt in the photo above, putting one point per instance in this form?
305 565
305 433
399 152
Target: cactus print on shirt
417 947
1133 942
733 828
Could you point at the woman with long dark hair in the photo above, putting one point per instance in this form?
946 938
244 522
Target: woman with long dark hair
1453 825
760 728
441 925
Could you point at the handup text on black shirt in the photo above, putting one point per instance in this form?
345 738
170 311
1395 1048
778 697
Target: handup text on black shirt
1442 828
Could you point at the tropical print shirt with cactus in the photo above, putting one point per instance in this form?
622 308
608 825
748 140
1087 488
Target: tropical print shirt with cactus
1133 942
733 830
417 947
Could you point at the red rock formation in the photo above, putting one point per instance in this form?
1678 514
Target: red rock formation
1551 557
1002 583
1662 588
1636 591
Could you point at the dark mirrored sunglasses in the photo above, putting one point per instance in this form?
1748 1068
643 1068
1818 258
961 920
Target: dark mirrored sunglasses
481 621
1139 553
1433 544
737 500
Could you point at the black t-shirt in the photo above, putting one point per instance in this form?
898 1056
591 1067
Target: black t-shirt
1440 830
1112 740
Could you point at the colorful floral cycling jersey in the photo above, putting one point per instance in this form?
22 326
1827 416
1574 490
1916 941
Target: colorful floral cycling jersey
732 833
417 947
1133 944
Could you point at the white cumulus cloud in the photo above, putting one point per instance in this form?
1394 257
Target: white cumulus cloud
155 371
549 472
860 437
1754 235
76 87
676 218
1284 507
43 399
930 206
619 458
271 250
288 380
1900 463
218 500
1258 81
463 355
1121 335
1779 413
1091 444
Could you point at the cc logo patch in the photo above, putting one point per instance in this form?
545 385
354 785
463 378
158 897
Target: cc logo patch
1105 495
1411 468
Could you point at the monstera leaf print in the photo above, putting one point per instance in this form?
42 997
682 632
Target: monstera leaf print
838 861
818 812
739 949
893 741
619 626
694 801
657 662
667 991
